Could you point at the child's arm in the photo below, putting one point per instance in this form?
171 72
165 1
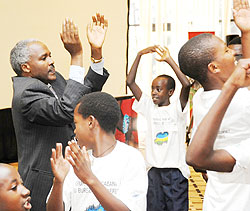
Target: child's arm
165 56
200 153
132 73
82 168
60 168
241 12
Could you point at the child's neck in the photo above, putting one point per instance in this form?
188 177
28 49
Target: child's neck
105 143
166 103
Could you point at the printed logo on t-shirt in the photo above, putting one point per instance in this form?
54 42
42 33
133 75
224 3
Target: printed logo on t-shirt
93 208
161 138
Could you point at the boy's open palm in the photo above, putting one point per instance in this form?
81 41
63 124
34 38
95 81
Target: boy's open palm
96 31
241 12
164 54
59 165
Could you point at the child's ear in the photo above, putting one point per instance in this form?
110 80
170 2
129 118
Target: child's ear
91 120
171 92
213 68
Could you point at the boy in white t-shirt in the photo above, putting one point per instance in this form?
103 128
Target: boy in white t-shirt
165 138
234 158
112 176
207 59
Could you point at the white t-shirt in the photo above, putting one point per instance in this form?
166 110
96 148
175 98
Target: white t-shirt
228 191
122 172
165 138
235 124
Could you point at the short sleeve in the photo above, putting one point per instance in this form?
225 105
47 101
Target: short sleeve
241 170
241 154
180 112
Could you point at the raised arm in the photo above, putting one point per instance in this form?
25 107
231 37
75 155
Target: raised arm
60 168
166 57
82 168
200 153
132 73
241 12
96 32
72 42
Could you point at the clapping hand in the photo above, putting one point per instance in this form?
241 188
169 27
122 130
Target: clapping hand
79 159
241 75
59 165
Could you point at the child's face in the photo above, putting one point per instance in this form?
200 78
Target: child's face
82 129
13 195
160 94
224 59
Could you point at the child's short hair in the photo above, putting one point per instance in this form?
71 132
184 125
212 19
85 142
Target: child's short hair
103 107
170 81
195 55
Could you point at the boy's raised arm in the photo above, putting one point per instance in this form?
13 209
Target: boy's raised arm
165 56
200 153
132 73
241 13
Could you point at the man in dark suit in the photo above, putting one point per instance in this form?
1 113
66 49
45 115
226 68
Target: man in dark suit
44 102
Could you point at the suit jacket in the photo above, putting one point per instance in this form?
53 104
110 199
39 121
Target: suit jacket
40 121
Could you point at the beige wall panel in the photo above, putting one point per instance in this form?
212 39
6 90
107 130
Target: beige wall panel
22 19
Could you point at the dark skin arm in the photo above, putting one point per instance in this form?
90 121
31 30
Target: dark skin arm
96 33
165 56
132 73
72 42
241 12
60 169
200 153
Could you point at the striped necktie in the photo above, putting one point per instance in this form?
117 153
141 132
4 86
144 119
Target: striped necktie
52 90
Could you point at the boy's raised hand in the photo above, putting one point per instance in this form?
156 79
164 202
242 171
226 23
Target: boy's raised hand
241 13
59 165
96 31
70 37
147 50
164 54
80 162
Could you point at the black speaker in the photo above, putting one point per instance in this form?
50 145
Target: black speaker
8 145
